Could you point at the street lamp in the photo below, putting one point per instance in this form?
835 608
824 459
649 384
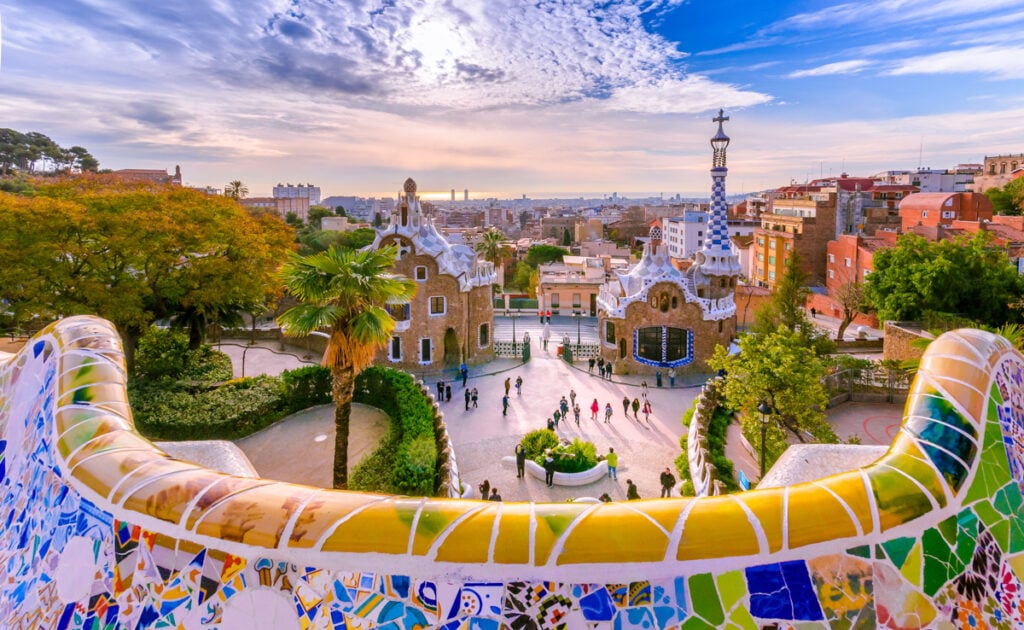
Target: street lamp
579 318
513 316
766 411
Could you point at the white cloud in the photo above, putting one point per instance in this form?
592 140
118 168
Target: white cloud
996 61
691 95
891 11
852 66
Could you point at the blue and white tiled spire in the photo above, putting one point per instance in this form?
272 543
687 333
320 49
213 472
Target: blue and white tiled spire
718 258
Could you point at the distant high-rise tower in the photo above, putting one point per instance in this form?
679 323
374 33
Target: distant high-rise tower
453 194
465 195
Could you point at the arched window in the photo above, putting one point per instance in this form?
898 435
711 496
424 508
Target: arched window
609 332
622 348
663 346
485 335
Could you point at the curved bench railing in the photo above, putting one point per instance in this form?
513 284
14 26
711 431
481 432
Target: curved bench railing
102 528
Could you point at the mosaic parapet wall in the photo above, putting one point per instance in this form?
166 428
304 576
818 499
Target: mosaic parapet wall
102 529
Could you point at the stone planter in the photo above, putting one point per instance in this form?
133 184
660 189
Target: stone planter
564 479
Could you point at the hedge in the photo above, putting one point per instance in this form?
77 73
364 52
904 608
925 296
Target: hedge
414 468
165 410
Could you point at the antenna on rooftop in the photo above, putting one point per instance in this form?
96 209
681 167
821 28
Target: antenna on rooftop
920 154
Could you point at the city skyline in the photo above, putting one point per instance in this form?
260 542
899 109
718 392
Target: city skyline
516 97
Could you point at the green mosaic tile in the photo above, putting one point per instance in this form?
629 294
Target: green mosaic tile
740 618
988 514
948 529
940 563
732 587
862 551
897 549
693 623
1016 536
1000 530
993 472
704 597
967 536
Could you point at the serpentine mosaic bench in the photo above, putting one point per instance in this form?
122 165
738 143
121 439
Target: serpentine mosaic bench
102 529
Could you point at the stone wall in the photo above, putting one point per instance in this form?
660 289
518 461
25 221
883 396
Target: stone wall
102 529
898 339
704 474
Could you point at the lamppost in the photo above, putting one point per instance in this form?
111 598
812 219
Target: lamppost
766 411
579 318
513 316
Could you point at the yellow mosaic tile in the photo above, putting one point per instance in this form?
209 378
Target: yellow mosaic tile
717 527
615 533
814 514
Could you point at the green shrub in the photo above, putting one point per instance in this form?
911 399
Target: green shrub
575 457
207 365
536 442
306 386
414 470
161 354
373 474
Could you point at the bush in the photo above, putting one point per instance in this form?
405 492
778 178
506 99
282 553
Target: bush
163 354
306 386
575 457
536 442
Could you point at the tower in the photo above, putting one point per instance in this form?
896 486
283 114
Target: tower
716 257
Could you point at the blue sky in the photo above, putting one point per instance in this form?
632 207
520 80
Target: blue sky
514 96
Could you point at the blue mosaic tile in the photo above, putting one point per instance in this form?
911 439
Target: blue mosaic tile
783 591
597 606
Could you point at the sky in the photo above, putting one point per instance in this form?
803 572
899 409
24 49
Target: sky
514 97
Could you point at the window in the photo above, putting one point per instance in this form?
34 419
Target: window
760 258
398 312
771 260
866 272
700 233
1002 168
660 345
771 275
485 335
396 349
576 300
771 244
425 348
675 302
948 214
831 273
789 246
437 305
555 300
609 332
700 243
421 274
847 262
760 241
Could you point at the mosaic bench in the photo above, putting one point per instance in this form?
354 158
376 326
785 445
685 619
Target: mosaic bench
103 529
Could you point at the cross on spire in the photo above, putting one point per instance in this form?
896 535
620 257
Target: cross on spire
720 118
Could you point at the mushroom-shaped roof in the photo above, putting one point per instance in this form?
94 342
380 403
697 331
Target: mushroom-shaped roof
410 185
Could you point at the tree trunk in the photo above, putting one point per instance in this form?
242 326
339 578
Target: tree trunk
129 342
847 318
196 327
341 390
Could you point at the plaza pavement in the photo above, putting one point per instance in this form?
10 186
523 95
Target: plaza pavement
482 436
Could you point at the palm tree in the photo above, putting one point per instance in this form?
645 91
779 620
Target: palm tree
493 248
236 189
344 292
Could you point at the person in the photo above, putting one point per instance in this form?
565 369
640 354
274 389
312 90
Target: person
549 468
494 495
551 424
465 373
671 377
508 385
600 367
557 416
545 336
613 463
549 317
526 339
520 461
668 481
485 489
440 391
636 409
643 389
504 405
647 411
607 413
541 313
605 498
594 408
590 365
468 396
563 405
576 414
814 312
476 397
572 396
519 385
448 392
631 493
608 370
625 406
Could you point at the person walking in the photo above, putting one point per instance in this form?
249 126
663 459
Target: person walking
464 371
625 406
557 416
600 367
576 414
563 405
476 397
636 409
647 411
668 481
508 385
494 495
671 377
485 489
608 370
572 397
607 413
551 424
545 336
504 405
520 461
448 392
519 385
590 366
643 389
594 408
814 313
613 463
549 468
440 391
631 493
468 395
